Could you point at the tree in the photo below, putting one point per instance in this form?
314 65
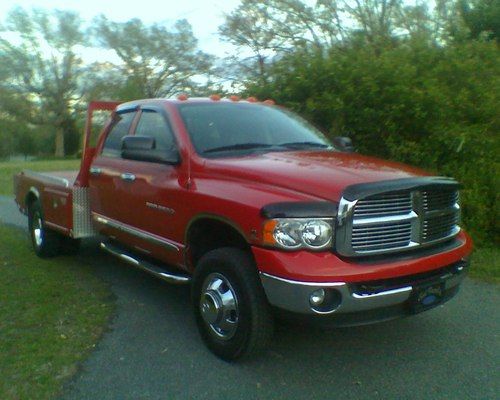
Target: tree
25 143
42 65
376 18
481 17
249 26
15 113
156 62
270 27
6 138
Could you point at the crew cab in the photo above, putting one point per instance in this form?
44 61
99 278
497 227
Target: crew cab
259 212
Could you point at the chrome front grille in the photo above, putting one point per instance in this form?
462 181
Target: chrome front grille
377 222
435 200
397 220
381 236
384 204
439 227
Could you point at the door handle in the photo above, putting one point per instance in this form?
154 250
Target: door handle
95 171
127 177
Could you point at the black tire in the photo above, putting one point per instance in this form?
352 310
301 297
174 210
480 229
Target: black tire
248 328
46 242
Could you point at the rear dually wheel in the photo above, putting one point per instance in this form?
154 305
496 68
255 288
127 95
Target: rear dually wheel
46 242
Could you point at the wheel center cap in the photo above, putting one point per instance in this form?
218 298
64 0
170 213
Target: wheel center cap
211 307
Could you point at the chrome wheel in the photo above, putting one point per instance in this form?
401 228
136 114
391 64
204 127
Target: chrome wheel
45 242
37 229
219 306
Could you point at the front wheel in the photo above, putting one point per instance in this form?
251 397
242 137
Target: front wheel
230 305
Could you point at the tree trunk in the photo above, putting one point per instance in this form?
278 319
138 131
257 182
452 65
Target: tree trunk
262 72
59 143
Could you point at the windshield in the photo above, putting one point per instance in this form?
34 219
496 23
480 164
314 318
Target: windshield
224 129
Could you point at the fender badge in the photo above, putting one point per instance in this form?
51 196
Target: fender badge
158 207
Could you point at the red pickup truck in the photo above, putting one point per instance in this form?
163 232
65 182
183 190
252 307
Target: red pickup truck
261 213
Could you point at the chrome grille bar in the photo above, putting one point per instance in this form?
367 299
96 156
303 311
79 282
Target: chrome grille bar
385 204
433 200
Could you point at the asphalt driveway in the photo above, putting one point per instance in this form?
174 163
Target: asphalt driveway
152 349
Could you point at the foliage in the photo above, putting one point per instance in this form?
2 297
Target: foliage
486 264
25 143
482 17
156 62
6 146
41 65
44 83
269 26
52 312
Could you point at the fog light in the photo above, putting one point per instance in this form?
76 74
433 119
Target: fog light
325 301
317 297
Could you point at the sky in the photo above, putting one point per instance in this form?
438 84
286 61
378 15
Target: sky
205 16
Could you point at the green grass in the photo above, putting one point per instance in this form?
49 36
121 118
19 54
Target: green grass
486 264
52 313
9 168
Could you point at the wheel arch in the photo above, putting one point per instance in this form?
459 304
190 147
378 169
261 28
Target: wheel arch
207 232
32 196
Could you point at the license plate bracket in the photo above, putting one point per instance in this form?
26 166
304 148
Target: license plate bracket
425 297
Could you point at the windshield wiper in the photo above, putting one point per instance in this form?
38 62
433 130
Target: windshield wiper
296 145
239 146
251 146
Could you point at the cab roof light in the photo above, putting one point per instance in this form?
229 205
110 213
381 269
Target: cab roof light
269 102
252 99
182 97
214 97
234 98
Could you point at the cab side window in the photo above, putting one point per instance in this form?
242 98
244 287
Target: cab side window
121 126
153 124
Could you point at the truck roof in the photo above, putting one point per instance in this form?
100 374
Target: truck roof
182 99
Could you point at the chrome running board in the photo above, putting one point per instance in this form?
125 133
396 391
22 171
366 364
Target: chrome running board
150 268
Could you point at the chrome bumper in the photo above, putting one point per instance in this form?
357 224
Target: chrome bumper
294 296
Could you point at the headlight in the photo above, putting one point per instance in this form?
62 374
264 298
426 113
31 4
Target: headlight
296 233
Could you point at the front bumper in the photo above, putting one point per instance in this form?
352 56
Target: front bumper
363 302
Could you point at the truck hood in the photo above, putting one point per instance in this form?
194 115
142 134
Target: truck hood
316 174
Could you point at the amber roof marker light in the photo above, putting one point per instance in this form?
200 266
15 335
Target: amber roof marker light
182 97
214 97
